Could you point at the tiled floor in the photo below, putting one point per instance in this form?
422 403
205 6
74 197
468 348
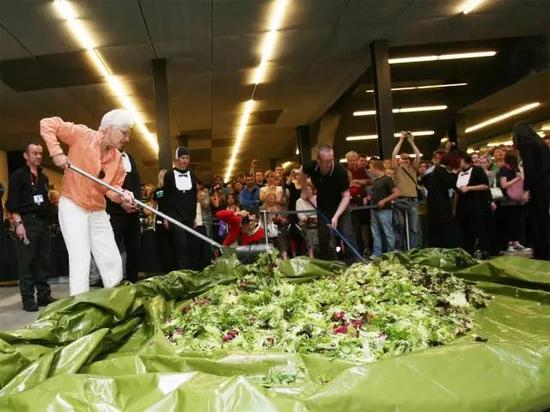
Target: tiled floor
12 315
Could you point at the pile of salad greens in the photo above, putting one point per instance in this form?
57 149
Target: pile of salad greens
365 313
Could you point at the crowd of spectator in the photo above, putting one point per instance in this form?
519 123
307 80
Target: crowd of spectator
487 202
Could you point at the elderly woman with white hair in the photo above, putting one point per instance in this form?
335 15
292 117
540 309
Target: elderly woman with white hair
82 217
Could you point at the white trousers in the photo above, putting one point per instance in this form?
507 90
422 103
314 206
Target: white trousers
87 232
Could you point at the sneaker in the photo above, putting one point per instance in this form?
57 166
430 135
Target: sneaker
372 257
510 249
30 306
520 248
46 301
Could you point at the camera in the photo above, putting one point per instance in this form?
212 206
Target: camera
245 220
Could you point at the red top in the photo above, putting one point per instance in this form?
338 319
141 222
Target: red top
361 174
234 222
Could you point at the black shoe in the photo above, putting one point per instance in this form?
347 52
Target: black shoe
46 301
30 307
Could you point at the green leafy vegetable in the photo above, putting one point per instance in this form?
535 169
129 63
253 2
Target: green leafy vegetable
365 313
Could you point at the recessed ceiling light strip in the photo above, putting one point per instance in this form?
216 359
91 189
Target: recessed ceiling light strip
502 117
65 10
429 86
268 47
375 136
437 57
403 110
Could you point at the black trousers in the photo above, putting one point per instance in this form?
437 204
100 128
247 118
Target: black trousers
327 240
473 227
181 241
126 228
540 219
165 248
34 259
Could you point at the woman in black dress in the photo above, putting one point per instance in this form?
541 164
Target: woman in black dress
536 168
441 225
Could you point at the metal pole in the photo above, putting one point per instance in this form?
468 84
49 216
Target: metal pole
264 212
146 206
407 235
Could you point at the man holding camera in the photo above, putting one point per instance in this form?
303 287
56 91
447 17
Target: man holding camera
406 180
244 228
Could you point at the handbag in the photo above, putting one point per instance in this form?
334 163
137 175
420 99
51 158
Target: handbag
496 192
516 192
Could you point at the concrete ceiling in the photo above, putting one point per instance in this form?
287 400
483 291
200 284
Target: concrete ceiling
212 46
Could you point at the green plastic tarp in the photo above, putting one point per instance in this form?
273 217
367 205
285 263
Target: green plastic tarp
104 350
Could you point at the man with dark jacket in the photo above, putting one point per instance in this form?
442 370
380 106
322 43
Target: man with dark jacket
180 203
30 207
125 220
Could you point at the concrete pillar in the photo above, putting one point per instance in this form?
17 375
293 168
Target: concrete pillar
382 97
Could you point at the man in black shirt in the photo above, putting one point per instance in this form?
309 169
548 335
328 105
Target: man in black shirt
333 196
180 203
472 203
124 219
30 207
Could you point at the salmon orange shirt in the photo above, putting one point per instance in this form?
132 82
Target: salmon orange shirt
84 152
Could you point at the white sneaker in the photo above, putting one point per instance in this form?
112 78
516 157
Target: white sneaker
520 248
510 249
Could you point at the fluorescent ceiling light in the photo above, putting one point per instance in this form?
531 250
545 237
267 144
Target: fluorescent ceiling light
375 136
420 109
434 57
470 5
270 40
268 47
362 137
65 10
502 117
403 110
364 113
429 86
241 131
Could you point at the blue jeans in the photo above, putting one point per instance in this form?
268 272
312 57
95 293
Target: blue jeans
381 223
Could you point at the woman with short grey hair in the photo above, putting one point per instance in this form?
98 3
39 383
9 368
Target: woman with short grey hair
82 217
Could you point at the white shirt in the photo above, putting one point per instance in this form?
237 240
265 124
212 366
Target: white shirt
127 163
464 178
183 180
